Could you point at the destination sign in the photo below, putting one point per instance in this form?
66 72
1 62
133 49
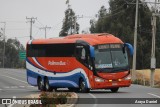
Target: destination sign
115 45
107 46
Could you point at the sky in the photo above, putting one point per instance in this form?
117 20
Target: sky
48 13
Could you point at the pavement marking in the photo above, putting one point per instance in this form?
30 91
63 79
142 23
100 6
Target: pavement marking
13 87
6 87
31 86
22 86
154 95
14 78
95 104
18 87
10 105
21 76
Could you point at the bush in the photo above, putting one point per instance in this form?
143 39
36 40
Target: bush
50 99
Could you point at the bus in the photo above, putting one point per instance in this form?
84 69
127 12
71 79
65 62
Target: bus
80 62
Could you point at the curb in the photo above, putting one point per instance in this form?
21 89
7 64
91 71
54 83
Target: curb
72 102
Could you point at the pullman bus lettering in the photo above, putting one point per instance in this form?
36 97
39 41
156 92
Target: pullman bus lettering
56 63
71 61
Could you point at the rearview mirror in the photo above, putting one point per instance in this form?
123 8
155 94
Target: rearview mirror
130 48
92 53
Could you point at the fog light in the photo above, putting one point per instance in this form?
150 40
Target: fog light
99 79
128 77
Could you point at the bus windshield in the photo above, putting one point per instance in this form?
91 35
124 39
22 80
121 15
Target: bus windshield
110 58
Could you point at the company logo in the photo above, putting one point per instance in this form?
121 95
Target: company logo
6 101
21 101
56 63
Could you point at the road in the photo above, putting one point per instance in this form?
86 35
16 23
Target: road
13 83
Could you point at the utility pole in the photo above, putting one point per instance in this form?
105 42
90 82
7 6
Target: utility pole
45 29
32 20
75 23
153 58
135 42
135 38
4 39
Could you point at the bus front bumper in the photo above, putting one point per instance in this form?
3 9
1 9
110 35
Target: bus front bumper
112 84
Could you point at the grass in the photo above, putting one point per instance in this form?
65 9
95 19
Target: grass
143 77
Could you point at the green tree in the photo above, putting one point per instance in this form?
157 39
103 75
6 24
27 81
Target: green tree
69 23
119 21
12 48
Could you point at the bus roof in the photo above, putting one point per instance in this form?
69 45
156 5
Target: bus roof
92 39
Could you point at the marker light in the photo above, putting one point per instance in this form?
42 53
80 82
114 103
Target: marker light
110 80
119 79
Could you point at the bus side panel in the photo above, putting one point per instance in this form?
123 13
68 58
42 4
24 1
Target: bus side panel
32 77
71 81
56 78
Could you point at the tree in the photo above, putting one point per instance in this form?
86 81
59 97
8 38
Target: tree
12 48
69 23
119 21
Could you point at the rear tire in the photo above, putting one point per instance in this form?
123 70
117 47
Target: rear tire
82 86
114 90
47 86
40 84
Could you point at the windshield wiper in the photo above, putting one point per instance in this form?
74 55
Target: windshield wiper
120 69
104 69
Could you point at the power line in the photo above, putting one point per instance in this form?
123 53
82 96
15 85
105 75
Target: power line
45 29
40 23
75 22
20 37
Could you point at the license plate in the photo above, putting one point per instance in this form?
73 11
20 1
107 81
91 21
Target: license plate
114 84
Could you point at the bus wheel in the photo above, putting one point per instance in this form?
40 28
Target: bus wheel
40 84
82 86
114 90
46 85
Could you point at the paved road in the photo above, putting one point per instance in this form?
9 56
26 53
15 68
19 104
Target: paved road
13 83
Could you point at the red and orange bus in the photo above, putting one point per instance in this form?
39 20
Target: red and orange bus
81 62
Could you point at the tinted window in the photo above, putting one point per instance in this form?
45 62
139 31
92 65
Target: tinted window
50 50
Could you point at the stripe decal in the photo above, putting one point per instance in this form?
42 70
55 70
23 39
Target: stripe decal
63 75
38 63
63 81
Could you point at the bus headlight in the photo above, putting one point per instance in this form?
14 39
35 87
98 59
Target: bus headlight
128 77
97 79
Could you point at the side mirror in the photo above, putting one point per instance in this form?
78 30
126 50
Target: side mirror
130 48
92 53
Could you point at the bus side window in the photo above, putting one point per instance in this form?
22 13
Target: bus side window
81 54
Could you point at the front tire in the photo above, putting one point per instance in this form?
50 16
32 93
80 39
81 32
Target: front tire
114 90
